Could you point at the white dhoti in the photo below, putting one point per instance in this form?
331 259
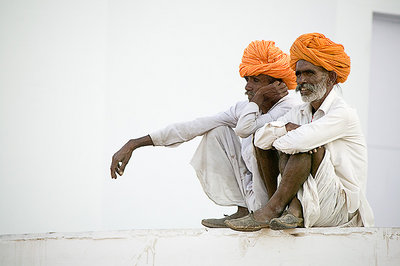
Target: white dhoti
222 171
324 200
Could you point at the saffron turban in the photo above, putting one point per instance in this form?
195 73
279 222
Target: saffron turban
320 51
263 57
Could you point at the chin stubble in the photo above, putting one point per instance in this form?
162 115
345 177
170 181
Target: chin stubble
317 90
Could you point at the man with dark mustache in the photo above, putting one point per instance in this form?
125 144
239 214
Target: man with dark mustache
321 149
224 161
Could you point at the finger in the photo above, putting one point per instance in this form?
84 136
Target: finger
273 84
277 84
114 168
122 167
113 175
281 89
283 86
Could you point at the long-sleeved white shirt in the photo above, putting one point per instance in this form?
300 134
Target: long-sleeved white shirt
244 116
336 126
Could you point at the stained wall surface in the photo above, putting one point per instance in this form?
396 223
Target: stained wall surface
319 246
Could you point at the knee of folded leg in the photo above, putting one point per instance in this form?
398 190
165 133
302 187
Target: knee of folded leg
318 153
218 131
283 156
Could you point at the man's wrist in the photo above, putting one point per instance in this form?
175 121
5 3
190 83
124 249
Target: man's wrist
269 103
257 100
131 145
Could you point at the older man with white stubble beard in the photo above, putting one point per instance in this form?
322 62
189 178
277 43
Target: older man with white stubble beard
320 146
313 92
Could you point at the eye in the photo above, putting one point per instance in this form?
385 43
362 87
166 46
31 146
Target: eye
246 78
256 80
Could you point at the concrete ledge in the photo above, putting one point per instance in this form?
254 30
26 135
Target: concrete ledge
315 246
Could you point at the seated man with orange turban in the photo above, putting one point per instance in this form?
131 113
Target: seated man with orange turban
224 161
321 149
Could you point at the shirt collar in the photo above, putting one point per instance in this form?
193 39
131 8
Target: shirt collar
327 103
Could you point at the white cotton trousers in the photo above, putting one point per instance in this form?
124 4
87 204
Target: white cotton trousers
324 200
222 171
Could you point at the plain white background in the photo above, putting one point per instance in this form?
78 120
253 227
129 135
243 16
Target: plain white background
80 78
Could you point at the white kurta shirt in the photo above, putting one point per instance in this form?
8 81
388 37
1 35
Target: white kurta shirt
336 126
245 117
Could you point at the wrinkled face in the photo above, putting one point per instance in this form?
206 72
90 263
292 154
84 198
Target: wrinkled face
311 81
254 83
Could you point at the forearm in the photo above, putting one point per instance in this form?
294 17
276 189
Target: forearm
139 142
266 135
250 120
309 136
177 133
264 104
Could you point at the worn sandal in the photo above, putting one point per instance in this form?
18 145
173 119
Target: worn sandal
215 223
246 224
286 221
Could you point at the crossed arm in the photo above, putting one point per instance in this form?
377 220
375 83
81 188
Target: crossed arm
292 138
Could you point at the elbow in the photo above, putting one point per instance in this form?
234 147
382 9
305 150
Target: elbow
261 143
258 144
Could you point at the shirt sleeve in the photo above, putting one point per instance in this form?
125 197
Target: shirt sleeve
328 128
266 135
177 133
250 118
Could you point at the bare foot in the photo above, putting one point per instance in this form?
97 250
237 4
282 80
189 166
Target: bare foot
241 212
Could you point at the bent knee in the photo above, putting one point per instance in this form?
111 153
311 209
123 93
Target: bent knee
220 131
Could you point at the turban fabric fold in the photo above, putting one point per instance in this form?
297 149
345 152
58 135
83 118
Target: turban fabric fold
263 57
320 51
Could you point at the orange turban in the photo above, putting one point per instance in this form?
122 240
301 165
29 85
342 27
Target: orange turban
263 57
320 51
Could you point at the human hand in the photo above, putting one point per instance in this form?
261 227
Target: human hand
270 93
121 158
291 126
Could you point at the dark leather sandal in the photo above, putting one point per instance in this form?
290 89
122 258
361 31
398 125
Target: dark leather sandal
246 224
286 221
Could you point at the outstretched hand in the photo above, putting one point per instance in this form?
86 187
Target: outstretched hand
121 158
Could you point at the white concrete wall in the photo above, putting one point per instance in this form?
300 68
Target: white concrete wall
356 246
79 78
383 126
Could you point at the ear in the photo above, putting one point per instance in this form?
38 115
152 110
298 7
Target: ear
332 77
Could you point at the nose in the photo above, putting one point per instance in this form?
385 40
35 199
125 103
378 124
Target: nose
248 87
